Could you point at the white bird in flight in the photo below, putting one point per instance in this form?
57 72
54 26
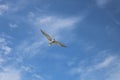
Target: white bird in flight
51 40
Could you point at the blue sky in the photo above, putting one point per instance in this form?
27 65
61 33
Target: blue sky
90 29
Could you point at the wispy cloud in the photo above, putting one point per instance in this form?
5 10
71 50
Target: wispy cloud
58 22
6 72
105 63
4 48
13 25
115 75
13 6
17 6
1 60
38 77
55 24
27 46
112 17
3 8
10 74
26 68
87 46
85 72
76 70
102 3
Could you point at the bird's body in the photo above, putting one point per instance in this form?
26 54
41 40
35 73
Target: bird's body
51 40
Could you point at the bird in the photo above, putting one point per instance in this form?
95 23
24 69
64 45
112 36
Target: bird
51 40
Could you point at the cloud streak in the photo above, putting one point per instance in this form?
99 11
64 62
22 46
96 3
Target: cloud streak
28 49
55 24
105 63
102 3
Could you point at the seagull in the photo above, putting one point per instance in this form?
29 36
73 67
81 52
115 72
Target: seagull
51 40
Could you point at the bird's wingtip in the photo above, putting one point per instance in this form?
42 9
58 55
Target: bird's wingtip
65 46
40 29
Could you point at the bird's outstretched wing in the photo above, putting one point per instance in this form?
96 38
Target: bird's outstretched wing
60 44
46 35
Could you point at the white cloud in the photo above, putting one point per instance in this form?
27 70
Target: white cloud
10 74
4 48
57 23
105 63
26 68
13 25
54 23
3 8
